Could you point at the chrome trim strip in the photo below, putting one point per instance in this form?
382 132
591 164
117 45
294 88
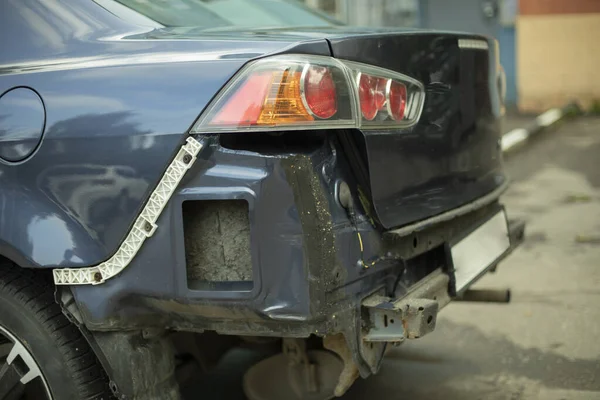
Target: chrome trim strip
473 44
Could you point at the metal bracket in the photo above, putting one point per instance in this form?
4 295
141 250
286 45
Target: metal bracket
411 317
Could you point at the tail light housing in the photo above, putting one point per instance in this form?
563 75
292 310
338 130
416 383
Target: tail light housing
313 92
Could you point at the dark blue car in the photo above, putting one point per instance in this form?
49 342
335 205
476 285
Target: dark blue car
182 177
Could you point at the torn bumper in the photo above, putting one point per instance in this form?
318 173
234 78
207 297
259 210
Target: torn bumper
307 275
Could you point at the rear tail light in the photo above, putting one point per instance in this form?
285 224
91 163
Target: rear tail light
387 99
313 92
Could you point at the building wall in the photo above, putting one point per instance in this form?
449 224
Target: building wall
390 13
558 53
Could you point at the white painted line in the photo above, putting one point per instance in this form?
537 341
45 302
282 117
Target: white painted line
518 136
514 138
549 117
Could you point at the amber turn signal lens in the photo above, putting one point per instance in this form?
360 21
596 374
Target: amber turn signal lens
283 103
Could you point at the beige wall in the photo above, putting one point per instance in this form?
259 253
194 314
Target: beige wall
558 59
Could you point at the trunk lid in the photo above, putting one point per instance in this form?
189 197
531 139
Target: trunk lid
452 156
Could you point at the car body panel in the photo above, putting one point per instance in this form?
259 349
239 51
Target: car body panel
23 118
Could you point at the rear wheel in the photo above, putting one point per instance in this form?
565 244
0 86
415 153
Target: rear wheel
42 355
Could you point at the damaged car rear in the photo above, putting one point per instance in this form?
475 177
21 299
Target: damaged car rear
183 178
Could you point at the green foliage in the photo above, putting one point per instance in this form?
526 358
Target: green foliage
595 107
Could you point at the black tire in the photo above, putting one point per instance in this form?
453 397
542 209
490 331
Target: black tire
29 312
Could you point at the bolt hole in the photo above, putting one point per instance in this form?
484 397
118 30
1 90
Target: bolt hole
371 345
148 227
415 242
435 297
391 321
421 308
429 319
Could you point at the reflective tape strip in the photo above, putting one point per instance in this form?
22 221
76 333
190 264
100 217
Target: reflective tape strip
143 228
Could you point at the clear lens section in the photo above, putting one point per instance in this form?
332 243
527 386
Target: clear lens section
299 92
313 92
386 98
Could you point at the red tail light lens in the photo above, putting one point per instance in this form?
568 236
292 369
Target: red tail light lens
396 100
367 86
243 109
319 91
371 95
380 92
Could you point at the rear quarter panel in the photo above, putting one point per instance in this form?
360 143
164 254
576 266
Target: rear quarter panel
116 112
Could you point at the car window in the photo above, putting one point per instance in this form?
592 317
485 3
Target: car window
211 14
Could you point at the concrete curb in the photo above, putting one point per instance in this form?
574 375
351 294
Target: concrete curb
517 137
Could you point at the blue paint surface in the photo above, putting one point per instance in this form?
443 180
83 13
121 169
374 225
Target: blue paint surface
506 38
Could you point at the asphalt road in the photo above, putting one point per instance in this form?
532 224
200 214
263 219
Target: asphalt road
545 344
